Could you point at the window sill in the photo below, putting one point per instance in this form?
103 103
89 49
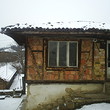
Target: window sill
63 68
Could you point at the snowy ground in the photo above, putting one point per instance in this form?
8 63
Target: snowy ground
16 103
99 106
10 103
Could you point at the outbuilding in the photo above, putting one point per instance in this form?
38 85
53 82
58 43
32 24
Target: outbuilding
59 60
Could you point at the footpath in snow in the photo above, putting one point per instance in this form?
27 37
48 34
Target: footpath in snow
99 106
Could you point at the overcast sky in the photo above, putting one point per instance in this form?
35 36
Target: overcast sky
35 11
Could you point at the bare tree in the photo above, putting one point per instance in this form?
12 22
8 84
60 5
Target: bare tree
20 60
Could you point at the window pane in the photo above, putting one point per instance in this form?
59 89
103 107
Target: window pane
72 54
62 53
52 48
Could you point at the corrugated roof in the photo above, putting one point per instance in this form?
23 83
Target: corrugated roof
58 26
72 29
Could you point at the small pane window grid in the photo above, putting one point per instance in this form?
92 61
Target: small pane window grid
58 61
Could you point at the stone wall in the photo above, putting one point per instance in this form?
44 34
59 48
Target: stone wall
39 95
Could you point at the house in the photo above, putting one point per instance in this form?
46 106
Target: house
7 75
62 60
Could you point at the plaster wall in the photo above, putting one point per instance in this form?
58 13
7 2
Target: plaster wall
44 94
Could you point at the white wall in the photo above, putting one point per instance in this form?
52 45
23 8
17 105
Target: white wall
47 93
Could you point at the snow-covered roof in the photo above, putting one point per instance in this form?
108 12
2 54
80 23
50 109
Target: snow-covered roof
9 50
83 28
17 83
70 24
85 25
6 72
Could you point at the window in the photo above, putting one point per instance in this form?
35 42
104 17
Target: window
63 54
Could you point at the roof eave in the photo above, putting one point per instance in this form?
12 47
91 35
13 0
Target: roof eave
20 36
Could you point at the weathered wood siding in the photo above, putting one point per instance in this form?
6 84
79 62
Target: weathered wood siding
3 84
91 62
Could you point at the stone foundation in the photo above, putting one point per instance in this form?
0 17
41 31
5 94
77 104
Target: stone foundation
62 96
107 87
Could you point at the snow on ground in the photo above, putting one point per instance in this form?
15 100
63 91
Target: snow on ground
98 106
10 103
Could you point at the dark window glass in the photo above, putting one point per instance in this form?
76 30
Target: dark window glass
72 54
62 53
52 47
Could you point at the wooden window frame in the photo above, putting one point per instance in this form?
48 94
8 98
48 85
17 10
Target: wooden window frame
65 68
